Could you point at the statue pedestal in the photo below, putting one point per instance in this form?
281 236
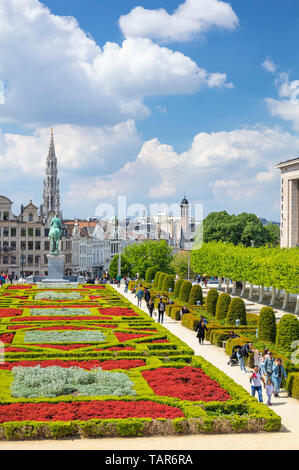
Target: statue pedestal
55 267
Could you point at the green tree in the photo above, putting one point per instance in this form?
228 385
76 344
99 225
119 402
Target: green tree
125 267
151 253
180 265
273 234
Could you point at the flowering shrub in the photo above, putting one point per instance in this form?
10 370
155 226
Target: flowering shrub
32 382
187 383
106 365
56 336
87 410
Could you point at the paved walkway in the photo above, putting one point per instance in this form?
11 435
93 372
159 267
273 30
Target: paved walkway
287 408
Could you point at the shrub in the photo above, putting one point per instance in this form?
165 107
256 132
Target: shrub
150 274
195 295
175 313
185 291
293 385
156 280
222 305
287 331
211 301
236 310
267 325
161 280
168 283
191 321
177 287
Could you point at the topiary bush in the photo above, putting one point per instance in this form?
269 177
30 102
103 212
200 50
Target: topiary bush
222 305
293 385
211 301
267 325
150 274
156 280
161 280
195 295
185 291
236 310
287 331
168 283
177 287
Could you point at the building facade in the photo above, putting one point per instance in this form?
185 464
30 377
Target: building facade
289 203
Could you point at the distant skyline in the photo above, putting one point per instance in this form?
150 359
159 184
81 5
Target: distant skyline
149 99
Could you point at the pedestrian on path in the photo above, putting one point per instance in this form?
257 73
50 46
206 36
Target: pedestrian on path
147 296
126 286
151 307
255 379
242 353
269 390
161 310
277 373
201 328
139 295
268 365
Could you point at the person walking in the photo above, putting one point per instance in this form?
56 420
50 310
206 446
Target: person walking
201 328
183 311
126 286
269 391
139 295
161 310
151 307
147 296
255 379
278 373
268 365
242 353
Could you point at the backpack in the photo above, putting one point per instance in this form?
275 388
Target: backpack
161 306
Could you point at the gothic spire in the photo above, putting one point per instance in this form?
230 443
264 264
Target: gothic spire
51 197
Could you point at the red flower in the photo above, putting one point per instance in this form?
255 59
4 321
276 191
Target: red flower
10 312
127 336
188 383
37 318
106 365
118 311
7 338
86 410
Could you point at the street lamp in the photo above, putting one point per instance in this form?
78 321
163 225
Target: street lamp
22 262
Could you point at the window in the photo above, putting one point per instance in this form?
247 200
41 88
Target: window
5 245
47 230
37 245
13 260
30 245
30 260
36 260
45 259
5 216
30 232
30 217
5 259
5 231
23 245
23 232
47 246
37 232
13 232
13 245
68 245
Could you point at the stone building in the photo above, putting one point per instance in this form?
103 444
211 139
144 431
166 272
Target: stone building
289 203
24 243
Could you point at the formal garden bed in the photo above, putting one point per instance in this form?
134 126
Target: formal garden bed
98 366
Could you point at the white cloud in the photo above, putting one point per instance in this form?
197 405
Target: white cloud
2 92
57 74
287 107
269 65
232 169
190 19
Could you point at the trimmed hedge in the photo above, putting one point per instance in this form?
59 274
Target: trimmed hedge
195 295
150 274
190 320
222 305
211 301
185 291
236 310
287 331
156 280
177 287
267 325
168 283
293 385
161 280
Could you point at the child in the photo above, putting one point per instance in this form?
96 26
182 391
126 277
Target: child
269 390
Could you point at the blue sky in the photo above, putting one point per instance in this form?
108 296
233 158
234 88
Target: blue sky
149 106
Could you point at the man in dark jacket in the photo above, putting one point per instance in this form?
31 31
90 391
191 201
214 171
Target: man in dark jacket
161 310
147 296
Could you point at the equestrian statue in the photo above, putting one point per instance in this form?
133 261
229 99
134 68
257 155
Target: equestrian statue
55 234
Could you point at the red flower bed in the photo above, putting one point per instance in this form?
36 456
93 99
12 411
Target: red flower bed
58 305
12 349
118 311
159 341
94 287
116 348
127 336
95 297
106 365
86 410
188 383
10 312
37 318
29 286
7 338
49 328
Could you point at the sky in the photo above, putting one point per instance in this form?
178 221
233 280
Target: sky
149 99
